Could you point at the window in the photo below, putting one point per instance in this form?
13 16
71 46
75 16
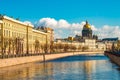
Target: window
4 32
9 33
12 33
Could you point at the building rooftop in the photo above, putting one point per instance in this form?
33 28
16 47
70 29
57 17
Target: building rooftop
110 39
15 20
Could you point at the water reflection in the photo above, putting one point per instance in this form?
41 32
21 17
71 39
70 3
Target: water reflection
25 71
69 68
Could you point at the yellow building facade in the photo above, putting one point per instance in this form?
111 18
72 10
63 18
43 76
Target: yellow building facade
17 37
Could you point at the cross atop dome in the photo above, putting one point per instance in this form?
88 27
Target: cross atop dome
86 22
87 26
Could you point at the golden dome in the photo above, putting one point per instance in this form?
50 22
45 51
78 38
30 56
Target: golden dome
87 25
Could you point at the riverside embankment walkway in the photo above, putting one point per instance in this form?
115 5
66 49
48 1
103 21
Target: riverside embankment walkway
28 59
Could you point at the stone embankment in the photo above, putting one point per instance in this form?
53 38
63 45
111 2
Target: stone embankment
115 57
23 60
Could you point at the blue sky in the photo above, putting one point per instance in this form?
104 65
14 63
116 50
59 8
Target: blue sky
98 12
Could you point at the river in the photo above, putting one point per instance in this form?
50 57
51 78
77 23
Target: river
79 67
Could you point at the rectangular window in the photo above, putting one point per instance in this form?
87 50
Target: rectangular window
9 33
4 32
12 33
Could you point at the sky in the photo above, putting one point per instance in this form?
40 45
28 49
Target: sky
67 17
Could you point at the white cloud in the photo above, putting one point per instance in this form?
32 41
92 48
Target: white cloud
62 26
94 28
60 31
57 36
48 22
77 32
108 31
28 22
77 25
51 22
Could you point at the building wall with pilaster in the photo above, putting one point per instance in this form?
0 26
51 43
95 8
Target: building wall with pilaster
10 29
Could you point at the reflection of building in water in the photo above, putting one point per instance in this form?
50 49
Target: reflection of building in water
89 67
28 71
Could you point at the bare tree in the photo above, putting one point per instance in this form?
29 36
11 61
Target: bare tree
85 48
6 43
19 45
37 46
66 47
55 47
51 47
10 44
42 47
60 47
46 48
79 47
73 47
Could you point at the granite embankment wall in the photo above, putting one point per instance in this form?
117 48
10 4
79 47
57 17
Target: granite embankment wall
113 57
22 60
